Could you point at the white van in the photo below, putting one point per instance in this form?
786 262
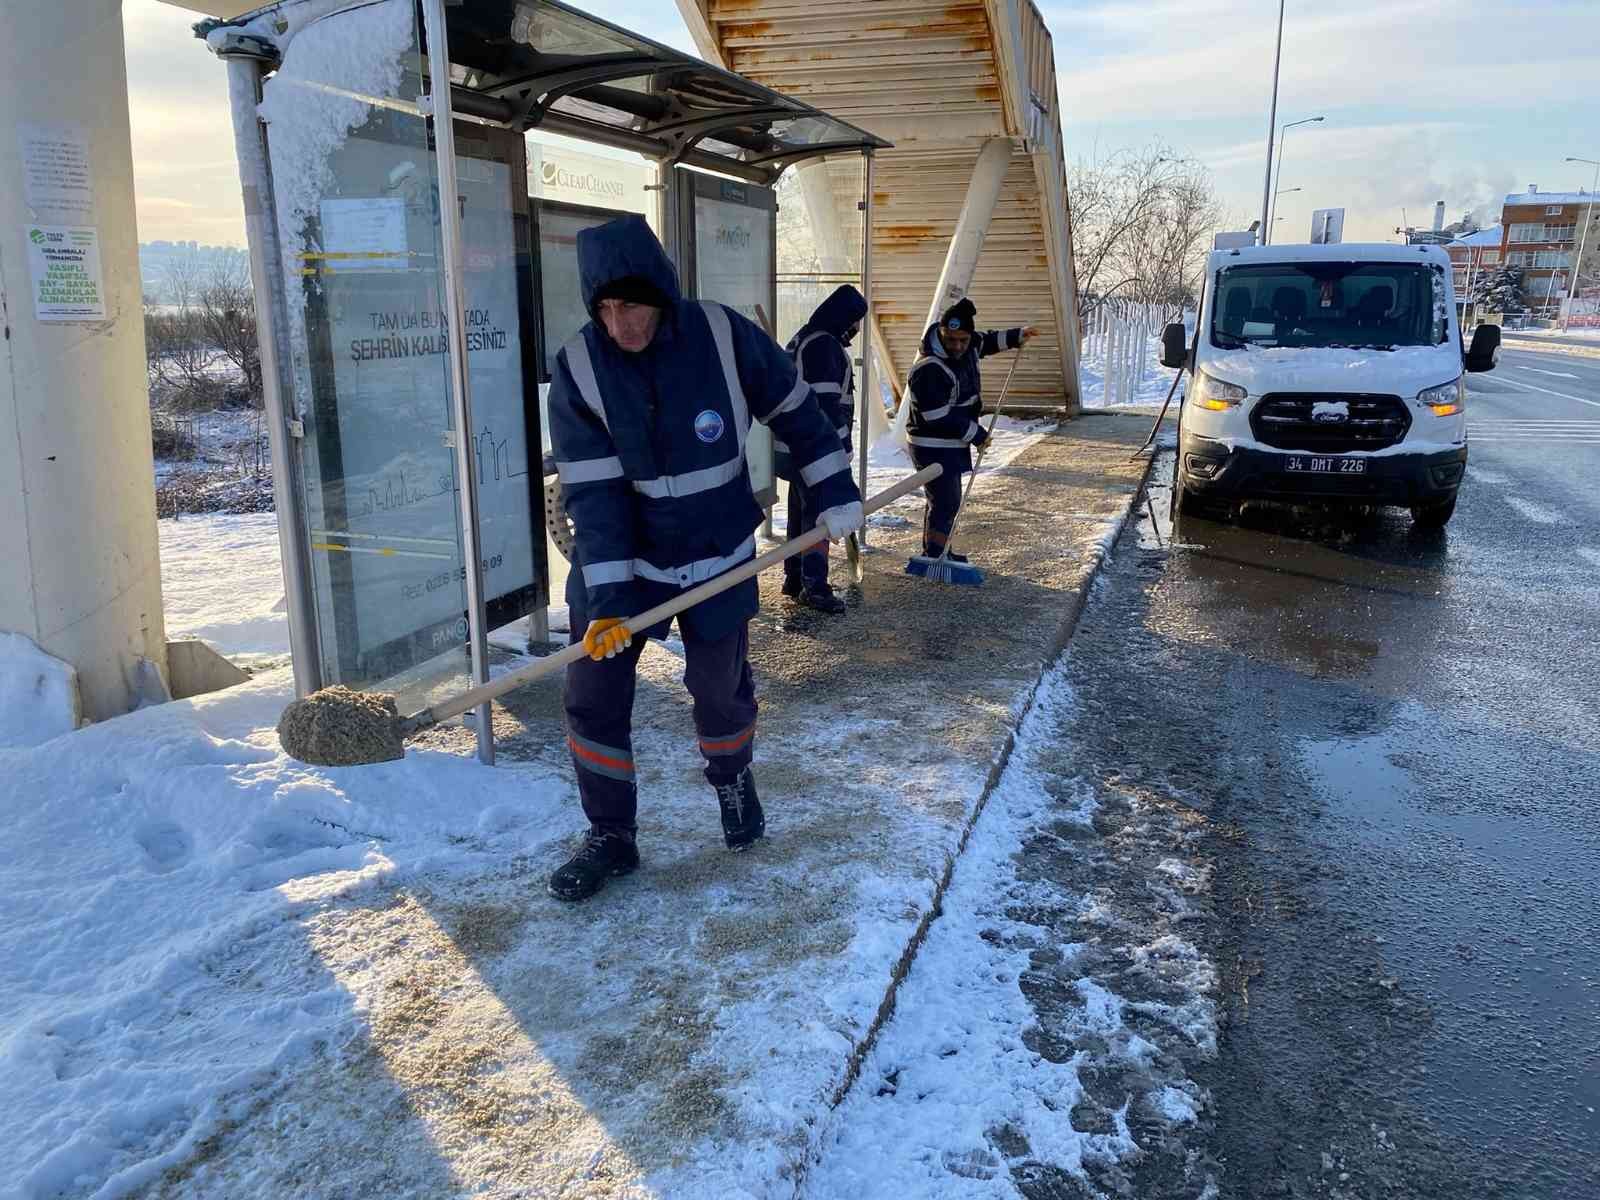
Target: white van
1326 372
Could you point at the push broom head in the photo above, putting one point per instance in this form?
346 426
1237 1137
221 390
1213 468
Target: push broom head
944 570
337 727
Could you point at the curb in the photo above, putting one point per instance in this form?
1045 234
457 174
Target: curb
1077 601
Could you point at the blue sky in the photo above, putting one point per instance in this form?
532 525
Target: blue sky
1423 101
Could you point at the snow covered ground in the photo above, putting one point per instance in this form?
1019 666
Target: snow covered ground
144 871
1016 1056
225 973
222 582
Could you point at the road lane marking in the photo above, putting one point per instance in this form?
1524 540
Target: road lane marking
1536 513
1542 371
1493 478
1534 387
1566 431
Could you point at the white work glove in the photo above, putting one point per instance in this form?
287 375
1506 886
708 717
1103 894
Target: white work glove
841 519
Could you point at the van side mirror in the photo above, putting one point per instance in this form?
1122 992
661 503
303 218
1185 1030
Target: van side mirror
1174 346
1485 349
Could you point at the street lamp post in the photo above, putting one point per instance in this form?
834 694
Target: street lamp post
1583 242
1272 125
1279 172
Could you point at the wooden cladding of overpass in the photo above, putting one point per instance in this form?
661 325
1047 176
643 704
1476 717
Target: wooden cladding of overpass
937 79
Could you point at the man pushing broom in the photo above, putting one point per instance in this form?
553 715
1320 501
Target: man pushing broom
945 395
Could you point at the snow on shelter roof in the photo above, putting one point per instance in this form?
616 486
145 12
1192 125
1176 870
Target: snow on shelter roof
1483 237
1336 252
548 65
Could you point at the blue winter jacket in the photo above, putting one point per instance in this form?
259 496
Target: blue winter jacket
819 350
947 399
650 446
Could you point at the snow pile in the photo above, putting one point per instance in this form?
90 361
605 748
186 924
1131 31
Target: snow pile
38 694
153 972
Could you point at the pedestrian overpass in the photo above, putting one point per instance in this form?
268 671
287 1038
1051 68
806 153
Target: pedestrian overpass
966 92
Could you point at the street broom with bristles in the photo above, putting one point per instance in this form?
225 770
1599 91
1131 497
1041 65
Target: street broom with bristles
941 568
337 727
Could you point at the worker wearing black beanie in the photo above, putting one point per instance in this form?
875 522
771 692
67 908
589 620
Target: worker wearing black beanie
945 395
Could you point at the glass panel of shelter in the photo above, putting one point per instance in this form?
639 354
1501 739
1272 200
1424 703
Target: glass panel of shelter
359 220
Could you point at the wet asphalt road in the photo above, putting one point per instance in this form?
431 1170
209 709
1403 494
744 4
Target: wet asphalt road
1396 742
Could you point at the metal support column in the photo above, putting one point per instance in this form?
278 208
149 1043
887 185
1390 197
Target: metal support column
443 117
867 394
283 420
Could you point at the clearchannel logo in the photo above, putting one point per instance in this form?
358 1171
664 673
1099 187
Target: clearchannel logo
587 182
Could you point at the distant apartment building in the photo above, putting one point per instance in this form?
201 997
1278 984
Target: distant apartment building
1543 231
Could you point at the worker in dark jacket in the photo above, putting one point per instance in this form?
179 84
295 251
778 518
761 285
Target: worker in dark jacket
650 407
946 402
819 351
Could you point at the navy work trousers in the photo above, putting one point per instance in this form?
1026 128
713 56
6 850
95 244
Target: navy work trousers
943 501
810 569
599 704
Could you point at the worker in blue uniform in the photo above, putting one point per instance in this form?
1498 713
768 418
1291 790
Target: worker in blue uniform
820 352
946 400
650 408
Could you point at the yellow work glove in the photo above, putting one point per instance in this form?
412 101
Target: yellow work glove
606 637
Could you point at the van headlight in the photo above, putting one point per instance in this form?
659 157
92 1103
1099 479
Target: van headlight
1446 400
1216 395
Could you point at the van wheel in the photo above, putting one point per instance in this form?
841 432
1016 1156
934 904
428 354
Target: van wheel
1433 516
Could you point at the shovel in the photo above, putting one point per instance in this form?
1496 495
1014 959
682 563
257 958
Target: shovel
338 727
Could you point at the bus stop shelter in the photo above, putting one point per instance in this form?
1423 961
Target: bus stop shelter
410 479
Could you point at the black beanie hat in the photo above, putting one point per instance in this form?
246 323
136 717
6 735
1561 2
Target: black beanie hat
635 289
961 315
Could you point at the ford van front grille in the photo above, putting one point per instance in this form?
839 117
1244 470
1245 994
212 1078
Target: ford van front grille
1329 422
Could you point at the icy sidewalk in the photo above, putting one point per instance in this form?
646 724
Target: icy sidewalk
226 974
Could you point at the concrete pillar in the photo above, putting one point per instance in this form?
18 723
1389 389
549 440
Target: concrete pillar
81 571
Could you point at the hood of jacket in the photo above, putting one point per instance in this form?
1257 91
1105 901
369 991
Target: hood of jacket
622 249
843 308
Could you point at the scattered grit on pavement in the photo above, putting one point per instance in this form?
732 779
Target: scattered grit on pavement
688 1031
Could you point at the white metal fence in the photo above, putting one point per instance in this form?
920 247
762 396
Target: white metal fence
1117 338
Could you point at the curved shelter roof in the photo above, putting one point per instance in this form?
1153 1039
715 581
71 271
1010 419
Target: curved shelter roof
540 63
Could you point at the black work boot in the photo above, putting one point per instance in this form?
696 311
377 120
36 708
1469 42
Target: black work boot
742 819
792 586
605 853
822 599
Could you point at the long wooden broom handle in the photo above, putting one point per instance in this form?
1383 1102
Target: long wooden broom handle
472 698
1000 403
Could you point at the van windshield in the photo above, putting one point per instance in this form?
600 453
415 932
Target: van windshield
1370 305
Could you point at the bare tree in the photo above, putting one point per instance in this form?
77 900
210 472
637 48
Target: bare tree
1141 224
208 319
226 305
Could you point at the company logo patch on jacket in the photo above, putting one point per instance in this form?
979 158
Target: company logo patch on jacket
708 426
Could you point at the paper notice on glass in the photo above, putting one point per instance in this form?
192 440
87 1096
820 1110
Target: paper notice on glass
57 180
65 264
367 234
